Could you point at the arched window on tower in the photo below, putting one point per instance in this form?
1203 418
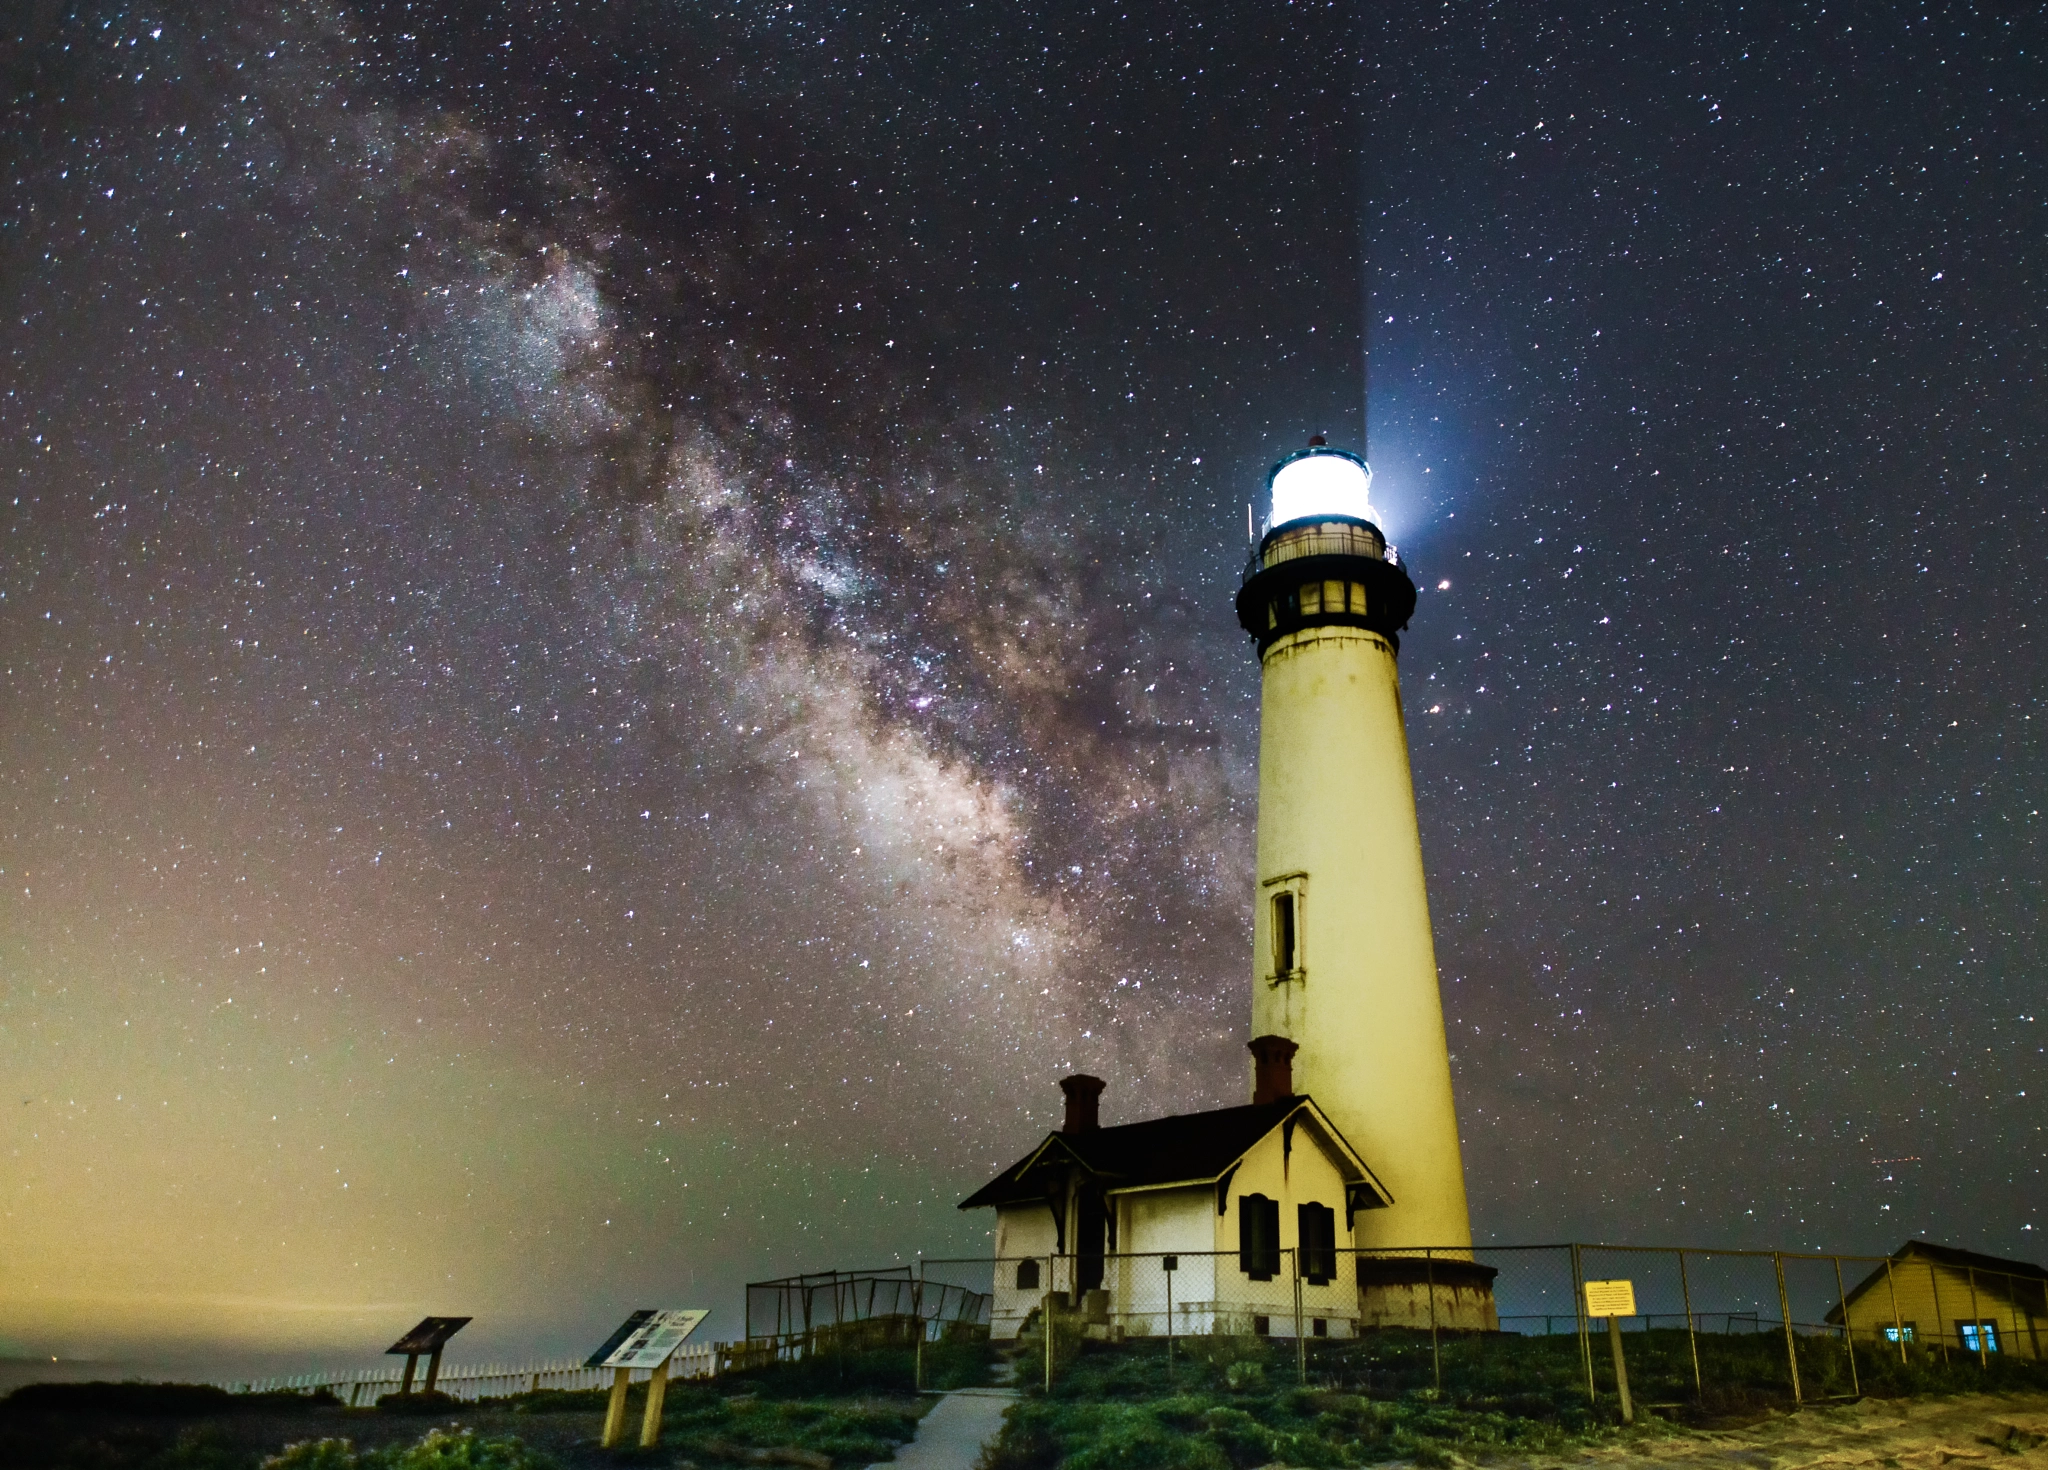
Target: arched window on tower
1285 912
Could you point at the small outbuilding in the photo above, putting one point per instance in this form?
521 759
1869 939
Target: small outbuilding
1940 1295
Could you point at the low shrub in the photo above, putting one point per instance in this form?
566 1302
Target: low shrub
876 1370
439 1449
155 1400
423 1404
1221 1403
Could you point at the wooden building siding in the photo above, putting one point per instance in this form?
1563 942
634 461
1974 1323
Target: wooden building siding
1933 1297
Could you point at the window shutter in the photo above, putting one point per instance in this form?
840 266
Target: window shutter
1258 1236
1317 1232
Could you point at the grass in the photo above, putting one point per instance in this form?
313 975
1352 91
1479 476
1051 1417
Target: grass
1232 1403
1739 1373
769 1416
1229 1403
829 1413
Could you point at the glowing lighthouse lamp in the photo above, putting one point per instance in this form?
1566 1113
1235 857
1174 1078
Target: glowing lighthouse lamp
1320 481
1344 966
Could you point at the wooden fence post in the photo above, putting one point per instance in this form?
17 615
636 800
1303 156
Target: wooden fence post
650 1420
615 1411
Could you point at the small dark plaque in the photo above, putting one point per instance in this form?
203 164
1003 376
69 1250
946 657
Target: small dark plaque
430 1336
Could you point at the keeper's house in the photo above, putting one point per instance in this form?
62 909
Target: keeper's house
1936 1294
1198 1215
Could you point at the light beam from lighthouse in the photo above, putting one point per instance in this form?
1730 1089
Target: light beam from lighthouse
1344 964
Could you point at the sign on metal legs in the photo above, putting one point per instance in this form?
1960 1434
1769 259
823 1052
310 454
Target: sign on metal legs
429 1338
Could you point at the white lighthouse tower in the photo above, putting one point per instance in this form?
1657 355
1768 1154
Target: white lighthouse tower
1343 962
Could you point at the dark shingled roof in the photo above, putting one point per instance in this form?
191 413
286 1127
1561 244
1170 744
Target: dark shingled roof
1186 1146
1950 1255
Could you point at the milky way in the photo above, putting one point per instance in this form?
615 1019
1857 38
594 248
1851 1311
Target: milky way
618 645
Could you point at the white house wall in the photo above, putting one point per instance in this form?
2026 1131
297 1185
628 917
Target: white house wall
1303 1175
1021 1231
1209 1292
1161 1222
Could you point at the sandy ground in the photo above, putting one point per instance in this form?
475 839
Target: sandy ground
2010 1433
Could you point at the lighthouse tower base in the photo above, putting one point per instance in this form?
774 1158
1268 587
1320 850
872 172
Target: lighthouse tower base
1396 1291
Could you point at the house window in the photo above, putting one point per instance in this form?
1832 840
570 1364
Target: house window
1976 1333
1317 1227
1283 934
1901 1333
1263 1326
1027 1276
1319 1326
1258 1236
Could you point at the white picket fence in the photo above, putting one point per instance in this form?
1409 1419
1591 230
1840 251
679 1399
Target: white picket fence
362 1387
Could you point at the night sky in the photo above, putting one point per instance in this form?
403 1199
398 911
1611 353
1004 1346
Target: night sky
616 637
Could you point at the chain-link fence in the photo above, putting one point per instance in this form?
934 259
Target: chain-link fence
1625 1326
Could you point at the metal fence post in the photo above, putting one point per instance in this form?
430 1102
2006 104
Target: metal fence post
1940 1322
1579 1315
1976 1318
1435 1353
1300 1342
917 1316
2012 1304
1049 1313
1848 1335
1691 1337
1167 1263
1898 1326
1785 1312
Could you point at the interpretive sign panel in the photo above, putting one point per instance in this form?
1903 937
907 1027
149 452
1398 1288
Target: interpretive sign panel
646 1339
1610 1298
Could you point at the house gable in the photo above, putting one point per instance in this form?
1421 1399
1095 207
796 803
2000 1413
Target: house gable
1178 1151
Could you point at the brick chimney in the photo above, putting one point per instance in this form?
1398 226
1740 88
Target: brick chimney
1083 1094
1272 1068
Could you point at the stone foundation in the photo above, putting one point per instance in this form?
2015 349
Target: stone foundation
1395 1291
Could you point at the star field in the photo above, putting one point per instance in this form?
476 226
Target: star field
616 637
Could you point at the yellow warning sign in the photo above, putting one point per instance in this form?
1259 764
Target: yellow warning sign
1610 1298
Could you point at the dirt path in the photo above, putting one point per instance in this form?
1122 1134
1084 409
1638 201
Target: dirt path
2008 1433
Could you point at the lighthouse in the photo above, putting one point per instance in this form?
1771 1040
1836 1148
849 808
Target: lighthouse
1334 1200
1344 966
